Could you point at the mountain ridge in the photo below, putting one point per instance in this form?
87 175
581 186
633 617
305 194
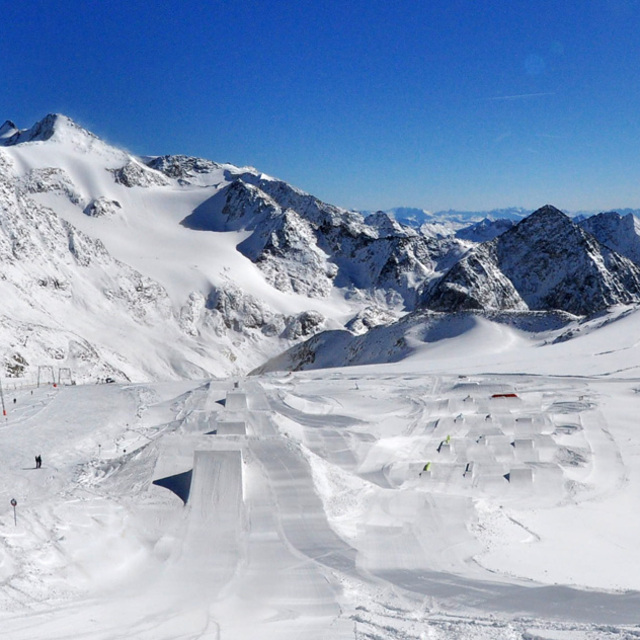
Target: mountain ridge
545 262
172 266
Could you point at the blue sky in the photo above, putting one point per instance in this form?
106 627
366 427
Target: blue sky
365 104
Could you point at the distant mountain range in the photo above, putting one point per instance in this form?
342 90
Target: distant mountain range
132 267
453 220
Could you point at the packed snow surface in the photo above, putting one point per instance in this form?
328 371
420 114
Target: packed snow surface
483 488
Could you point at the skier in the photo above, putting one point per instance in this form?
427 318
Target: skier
38 462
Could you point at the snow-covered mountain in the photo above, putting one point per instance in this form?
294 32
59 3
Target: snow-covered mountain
99 276
305 246
485 230
452 219
619 232
137 267
397 341
545 262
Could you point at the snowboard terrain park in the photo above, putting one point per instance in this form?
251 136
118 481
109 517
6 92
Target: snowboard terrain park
357 503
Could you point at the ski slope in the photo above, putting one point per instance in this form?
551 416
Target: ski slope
379 501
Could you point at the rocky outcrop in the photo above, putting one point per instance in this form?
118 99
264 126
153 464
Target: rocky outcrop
243 313
368 318
476 282
182 167
50 180
100 207
134 174
286 250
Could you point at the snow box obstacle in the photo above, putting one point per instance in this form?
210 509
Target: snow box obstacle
231 428
216 482
520 476
236 401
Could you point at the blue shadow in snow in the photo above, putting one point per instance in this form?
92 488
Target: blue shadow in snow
180 484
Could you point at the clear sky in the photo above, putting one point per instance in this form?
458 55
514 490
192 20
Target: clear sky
367 104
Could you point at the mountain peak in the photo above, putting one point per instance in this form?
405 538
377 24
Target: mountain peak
544 221
50 124
545 262
548 211
53 125
7 129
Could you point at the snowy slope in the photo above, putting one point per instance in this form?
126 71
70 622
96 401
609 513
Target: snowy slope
238 264
315 516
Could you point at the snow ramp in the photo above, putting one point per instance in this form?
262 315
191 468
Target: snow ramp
215 524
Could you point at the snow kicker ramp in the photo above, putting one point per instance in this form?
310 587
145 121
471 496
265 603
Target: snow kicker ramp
211 545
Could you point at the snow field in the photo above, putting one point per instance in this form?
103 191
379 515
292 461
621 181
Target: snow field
314 519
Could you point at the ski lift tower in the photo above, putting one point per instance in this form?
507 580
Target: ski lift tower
64 375
42 369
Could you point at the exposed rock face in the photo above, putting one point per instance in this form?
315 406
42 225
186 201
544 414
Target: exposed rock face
7 130
305 246
620 233
303 325
50 180
238 310
135 174
368 318
286 250
476 282
386 226
100 207
241 312
182 167
545 262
